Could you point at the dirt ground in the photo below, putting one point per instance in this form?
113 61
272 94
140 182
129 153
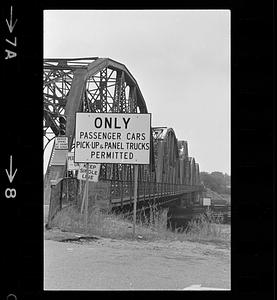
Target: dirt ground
107 264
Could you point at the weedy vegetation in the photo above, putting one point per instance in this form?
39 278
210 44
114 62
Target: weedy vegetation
152 224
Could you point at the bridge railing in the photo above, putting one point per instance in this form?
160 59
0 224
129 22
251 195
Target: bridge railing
122 191
67 191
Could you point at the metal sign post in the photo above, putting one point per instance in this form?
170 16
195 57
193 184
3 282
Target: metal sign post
86 195
87 172
135 200
66 184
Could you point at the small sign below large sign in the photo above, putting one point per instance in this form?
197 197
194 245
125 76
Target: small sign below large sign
71 165
93 172
112 138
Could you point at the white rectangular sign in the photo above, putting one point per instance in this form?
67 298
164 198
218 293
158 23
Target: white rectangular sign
112 138
61 143
206 201
93 172
71 165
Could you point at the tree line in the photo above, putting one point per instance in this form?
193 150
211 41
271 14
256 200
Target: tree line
217 182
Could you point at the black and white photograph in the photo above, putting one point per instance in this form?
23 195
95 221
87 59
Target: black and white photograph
120 129
137 178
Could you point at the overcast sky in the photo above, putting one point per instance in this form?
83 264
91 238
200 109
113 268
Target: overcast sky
179 58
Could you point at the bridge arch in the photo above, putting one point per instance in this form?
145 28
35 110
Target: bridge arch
166 154
87 85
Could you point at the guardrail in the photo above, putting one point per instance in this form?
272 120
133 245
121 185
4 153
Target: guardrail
122 191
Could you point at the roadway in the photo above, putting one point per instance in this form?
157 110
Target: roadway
107 264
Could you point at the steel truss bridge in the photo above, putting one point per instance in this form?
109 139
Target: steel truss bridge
102 85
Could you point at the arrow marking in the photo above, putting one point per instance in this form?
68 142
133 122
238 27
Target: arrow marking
11 25
10 174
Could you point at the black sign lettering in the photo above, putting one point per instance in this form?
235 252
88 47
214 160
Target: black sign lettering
98 122
126 122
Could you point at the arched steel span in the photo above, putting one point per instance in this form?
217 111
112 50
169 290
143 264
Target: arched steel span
166 154
89 85
96 84
103 85
172 163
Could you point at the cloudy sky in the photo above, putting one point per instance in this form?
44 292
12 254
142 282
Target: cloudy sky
179 58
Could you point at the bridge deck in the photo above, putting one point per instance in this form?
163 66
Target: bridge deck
128 200
122 192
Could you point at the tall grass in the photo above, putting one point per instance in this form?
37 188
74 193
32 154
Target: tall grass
207 227
153 218
151 225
